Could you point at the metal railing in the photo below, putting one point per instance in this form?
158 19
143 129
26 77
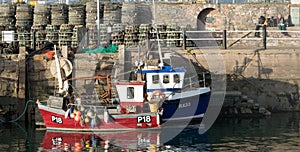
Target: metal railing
233 36
183 38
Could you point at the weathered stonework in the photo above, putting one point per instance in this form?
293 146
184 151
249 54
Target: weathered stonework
270 77
279 68
226 16
12 85
12 75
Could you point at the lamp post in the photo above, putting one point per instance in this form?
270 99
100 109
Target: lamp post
109 30
98 22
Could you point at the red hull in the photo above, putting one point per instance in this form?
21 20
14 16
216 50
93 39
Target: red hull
54 119
84 141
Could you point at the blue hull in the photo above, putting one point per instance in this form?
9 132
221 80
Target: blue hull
185 108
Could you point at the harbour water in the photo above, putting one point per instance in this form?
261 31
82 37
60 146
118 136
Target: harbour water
279 132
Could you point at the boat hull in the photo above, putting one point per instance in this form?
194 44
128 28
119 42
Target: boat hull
193 107
55 119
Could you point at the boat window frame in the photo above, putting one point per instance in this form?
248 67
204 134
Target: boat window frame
166 80
155 81
130 92
176 80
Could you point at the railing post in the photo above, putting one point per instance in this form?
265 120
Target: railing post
224 39
33 41
184 39
190 82
88 38
148 40
203 75
265 37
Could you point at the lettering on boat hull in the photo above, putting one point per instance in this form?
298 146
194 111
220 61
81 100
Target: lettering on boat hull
56 119
184 105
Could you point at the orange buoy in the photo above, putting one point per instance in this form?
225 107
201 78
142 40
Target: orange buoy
77 117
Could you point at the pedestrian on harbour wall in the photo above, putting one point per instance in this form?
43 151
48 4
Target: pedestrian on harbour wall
261 23
281 24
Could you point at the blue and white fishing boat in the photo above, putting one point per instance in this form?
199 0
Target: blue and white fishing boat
179 98
174 89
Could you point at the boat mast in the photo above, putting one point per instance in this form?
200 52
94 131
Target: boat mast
161 64
58 72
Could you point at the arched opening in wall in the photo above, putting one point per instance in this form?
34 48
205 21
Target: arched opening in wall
209 19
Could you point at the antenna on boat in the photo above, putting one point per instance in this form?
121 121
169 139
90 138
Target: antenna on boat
58 72
161 64
139 62
60 68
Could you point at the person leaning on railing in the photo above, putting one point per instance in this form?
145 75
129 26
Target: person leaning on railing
281 24
261 22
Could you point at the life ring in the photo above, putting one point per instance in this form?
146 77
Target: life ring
157 92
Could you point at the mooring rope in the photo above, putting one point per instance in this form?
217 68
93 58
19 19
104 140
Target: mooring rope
15 120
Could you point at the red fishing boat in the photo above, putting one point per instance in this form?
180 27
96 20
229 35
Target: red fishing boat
129 110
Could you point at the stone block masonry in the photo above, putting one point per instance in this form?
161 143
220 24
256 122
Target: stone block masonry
222 16
12 76
12 85
270 77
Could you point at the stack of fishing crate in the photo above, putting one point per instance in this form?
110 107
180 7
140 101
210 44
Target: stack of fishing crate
118 34
143 33
77 14
131 35
65 35
41 18
59 14
78 35
24 21
52 33
7 18
173 36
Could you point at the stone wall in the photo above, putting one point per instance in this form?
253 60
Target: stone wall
12 75
12 85
270 77
41 81
225 16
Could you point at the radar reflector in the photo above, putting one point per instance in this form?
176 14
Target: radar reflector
65 66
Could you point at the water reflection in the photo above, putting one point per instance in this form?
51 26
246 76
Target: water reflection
153 141
280 132
108 141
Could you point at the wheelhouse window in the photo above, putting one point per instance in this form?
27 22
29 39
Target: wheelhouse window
166 79
176 78
155 79
130 92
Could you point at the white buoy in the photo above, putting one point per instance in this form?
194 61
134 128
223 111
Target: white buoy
157 118
105 115
67 113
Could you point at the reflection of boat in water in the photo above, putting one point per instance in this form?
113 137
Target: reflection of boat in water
155 140
130 112
110 141
188 137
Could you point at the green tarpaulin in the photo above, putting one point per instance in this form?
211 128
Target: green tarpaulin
99 50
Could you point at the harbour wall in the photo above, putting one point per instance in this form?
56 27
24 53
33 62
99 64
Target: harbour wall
203 15
177 15
12 84
270 77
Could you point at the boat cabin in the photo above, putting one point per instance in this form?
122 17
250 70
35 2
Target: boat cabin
131 95
165 79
